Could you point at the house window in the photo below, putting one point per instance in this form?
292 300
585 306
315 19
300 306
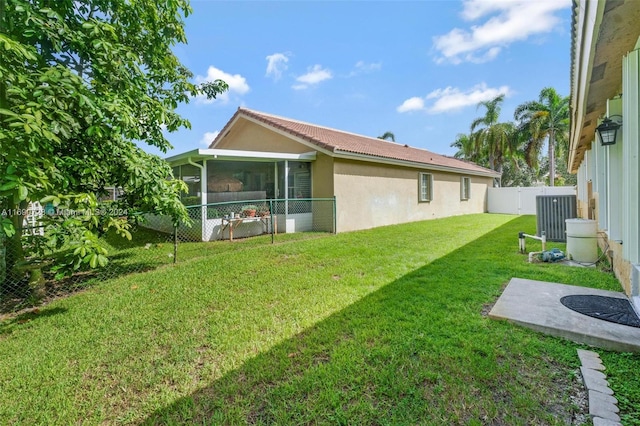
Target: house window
426 187
465 188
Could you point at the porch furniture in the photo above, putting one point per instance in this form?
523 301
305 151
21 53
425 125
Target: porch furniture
233 223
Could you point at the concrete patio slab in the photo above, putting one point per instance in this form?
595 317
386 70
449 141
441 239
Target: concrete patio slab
536 305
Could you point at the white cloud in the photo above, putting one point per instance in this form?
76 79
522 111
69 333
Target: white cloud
452 98
276 65
314 75
362 67
411 104
237 84
208 137
507 21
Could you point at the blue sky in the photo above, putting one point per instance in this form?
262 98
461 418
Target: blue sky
415 68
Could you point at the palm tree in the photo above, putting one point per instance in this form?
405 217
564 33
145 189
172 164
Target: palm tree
491 139
466 149
388 136
545 119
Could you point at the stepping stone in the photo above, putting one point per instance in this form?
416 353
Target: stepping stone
593 364
599 421
590 359
582 354
595 380
599 407
602 397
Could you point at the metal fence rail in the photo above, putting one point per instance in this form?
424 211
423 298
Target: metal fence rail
155 242
241 219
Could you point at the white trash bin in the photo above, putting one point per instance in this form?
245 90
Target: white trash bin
582 240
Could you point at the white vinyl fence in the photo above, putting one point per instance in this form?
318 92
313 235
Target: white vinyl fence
521 200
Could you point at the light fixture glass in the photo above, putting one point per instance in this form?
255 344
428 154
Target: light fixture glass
608 130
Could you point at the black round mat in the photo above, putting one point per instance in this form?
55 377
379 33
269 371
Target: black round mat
610 309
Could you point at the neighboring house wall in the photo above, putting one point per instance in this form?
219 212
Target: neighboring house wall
322 176
374 182
249 136
388 195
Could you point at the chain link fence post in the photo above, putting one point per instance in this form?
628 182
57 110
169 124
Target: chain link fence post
175 242
271 216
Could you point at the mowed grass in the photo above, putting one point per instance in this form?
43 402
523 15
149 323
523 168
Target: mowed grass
384 326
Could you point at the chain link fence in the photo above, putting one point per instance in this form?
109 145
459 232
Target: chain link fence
31 277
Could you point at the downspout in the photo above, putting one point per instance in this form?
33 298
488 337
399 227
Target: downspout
203 195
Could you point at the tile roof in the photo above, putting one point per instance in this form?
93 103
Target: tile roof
338 141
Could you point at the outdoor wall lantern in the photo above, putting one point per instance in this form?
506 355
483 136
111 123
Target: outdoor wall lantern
608 130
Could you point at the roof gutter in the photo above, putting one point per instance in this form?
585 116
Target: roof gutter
237 155
588 19
363 157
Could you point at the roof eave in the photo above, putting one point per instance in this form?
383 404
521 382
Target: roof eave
588 18
311 143
425 166
237 155
605 32
335 152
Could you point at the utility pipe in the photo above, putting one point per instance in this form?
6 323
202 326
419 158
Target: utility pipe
521 238
533 253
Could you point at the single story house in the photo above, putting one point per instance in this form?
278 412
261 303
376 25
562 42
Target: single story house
605 135
374 182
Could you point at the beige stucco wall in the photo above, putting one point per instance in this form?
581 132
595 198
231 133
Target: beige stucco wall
248 136
621 267
322 176
322 187
370 195
367 194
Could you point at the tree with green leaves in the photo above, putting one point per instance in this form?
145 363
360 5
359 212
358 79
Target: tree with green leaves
388 136
466 150
518 173
491 139
80 84
546 119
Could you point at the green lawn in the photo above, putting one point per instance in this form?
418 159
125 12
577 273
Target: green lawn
384 326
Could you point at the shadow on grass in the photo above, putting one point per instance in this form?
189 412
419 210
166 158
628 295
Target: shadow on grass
7 326
146 251
417 351
121 264
141 237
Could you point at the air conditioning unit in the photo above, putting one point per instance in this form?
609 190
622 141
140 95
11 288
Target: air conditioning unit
551 213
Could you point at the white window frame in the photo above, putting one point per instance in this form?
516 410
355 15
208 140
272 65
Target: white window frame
465 188
425 187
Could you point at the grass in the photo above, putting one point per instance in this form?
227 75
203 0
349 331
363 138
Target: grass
148 250
384 326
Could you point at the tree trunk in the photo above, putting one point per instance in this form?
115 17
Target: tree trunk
552 159
14 256
498 181
492 162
